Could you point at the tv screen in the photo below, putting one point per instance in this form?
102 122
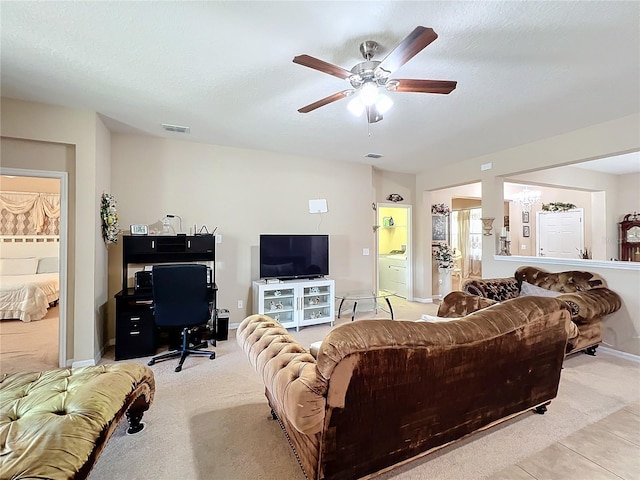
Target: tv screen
294 256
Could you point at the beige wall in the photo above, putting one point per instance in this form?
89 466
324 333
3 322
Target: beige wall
77 129
598 141
29 184
243 193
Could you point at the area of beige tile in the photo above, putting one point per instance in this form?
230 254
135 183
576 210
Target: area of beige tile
624 424
633 408
558 462
606 449
512 472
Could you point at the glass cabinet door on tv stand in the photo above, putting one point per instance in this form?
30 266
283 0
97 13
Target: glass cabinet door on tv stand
296 303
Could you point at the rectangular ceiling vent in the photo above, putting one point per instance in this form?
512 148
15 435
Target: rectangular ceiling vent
374 155
175 128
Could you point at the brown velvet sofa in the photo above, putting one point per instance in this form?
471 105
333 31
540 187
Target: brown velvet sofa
585 293
54 424
383 392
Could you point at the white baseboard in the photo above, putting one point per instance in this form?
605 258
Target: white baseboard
618 353
423 300
84 363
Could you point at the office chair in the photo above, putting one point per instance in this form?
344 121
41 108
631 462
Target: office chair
180 301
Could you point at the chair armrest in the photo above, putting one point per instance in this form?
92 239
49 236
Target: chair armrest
498 289
288 370
459 304
591 305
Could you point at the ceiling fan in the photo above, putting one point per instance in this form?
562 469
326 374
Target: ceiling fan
366 78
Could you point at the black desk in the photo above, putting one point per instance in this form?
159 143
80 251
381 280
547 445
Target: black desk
136 332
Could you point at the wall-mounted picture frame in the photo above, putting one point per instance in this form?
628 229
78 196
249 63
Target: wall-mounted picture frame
525 217
439 228
526 232
139 229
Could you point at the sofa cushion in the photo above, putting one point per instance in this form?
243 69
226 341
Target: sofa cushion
529 290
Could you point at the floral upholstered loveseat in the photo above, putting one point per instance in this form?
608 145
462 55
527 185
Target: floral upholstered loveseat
585 293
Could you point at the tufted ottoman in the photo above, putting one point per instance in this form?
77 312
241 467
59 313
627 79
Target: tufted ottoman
54 424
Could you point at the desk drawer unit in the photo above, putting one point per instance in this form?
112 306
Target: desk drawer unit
135 330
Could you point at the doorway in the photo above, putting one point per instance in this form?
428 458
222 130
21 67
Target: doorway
560 234
394 249
62 178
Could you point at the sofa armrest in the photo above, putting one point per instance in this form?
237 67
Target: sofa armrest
288 370
498 289
591 305
459 304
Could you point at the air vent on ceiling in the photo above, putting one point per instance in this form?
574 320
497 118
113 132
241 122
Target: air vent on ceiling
374 155
175 128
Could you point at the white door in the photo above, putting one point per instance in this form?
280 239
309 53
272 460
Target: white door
560 234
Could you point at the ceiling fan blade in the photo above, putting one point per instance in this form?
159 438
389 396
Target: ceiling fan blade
312 62
325 101
424 86
408 48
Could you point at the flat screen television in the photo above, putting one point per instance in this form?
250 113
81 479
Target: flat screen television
294 256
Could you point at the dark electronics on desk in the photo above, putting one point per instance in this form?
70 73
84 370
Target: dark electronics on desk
143 281
294 256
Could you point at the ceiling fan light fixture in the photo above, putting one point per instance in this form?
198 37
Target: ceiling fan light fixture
356 106
383 103
369 93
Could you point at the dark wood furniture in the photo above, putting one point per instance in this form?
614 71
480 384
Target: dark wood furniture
136 332
630 238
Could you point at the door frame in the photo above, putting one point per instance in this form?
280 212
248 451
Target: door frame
409 274
63 177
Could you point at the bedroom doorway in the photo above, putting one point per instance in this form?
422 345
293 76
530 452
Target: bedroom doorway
49 348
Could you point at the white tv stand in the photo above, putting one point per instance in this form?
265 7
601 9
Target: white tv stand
296 303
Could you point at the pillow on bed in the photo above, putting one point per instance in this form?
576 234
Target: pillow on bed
47 265
18 266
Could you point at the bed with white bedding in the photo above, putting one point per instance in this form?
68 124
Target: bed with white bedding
28 286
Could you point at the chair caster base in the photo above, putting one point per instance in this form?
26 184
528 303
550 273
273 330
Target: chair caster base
178 368
591 350
151 362
212 356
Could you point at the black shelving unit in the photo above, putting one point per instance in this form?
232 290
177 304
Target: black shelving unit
136 334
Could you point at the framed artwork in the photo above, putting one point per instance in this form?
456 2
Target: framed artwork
439 228
139 229
525 217
525 231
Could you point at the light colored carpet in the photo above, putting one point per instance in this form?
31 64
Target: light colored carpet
212 421
30 346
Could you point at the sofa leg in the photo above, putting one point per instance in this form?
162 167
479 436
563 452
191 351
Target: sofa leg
540 409
135 413
591 350
273 415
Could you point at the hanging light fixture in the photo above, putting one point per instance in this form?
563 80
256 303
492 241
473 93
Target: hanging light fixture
527 198
370 100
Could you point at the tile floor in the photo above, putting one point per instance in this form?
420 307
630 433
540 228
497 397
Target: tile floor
605 450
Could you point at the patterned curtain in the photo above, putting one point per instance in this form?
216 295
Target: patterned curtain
29 213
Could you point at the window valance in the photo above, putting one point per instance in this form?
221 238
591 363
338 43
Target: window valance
35 212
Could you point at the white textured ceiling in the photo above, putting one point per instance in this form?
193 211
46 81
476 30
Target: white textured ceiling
525 71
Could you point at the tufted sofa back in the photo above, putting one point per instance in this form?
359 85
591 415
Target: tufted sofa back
396 389
564 282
